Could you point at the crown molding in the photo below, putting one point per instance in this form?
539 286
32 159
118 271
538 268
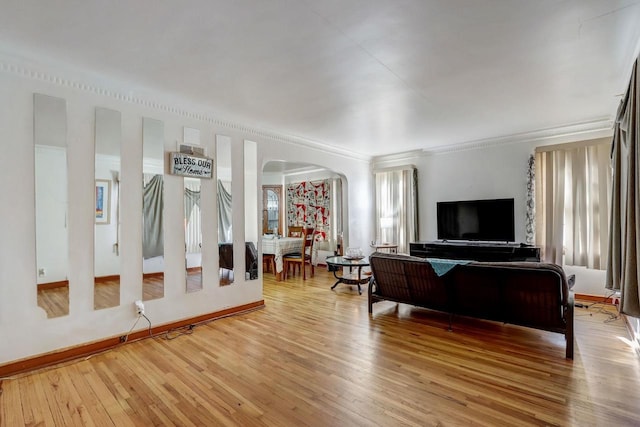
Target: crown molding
10 65
571 132
398 157
599 128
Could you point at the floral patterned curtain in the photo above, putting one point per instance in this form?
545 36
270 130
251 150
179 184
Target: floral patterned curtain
530 221
308 204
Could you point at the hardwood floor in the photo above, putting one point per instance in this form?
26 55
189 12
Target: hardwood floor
315 357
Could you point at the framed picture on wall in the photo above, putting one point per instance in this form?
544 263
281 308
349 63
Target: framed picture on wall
103 201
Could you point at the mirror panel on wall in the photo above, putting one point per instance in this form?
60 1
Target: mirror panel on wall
251 209
153 209
108 135
192 234
51 203
192 214
225 225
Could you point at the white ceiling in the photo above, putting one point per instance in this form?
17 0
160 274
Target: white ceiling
372 77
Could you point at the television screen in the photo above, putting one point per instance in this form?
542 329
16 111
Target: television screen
486 220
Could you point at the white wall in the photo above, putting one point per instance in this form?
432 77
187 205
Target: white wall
272 178
22 323
494 172
311 176
252 197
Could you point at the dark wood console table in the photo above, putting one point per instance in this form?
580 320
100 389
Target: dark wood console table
475 251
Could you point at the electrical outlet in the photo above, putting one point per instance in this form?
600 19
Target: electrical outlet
42 272
139 306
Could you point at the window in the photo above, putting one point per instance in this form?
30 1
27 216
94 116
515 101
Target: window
396 207
573 187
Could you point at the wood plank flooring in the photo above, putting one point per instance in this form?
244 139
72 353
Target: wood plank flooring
315 357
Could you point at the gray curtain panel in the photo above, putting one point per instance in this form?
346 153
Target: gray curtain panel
153 218
622 269
225 234
191 199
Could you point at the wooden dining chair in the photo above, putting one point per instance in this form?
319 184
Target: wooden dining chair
268 263
295 231
303 258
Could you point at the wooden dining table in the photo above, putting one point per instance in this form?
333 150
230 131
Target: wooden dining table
279 247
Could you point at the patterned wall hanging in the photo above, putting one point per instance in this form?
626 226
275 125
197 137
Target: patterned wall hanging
308 204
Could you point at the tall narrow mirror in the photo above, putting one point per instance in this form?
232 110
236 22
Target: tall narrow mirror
192 234
251 209
52 252
192 216
225 229
108 138
153 209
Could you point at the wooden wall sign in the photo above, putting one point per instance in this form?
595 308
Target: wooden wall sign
192 166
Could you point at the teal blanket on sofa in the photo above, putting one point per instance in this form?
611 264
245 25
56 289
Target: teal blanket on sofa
443 266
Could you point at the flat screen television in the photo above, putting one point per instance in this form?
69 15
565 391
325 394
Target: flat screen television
483 220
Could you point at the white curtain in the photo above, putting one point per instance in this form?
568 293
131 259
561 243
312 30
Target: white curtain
572 197
397 207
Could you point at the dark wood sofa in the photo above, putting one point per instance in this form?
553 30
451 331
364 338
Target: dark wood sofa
529 294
